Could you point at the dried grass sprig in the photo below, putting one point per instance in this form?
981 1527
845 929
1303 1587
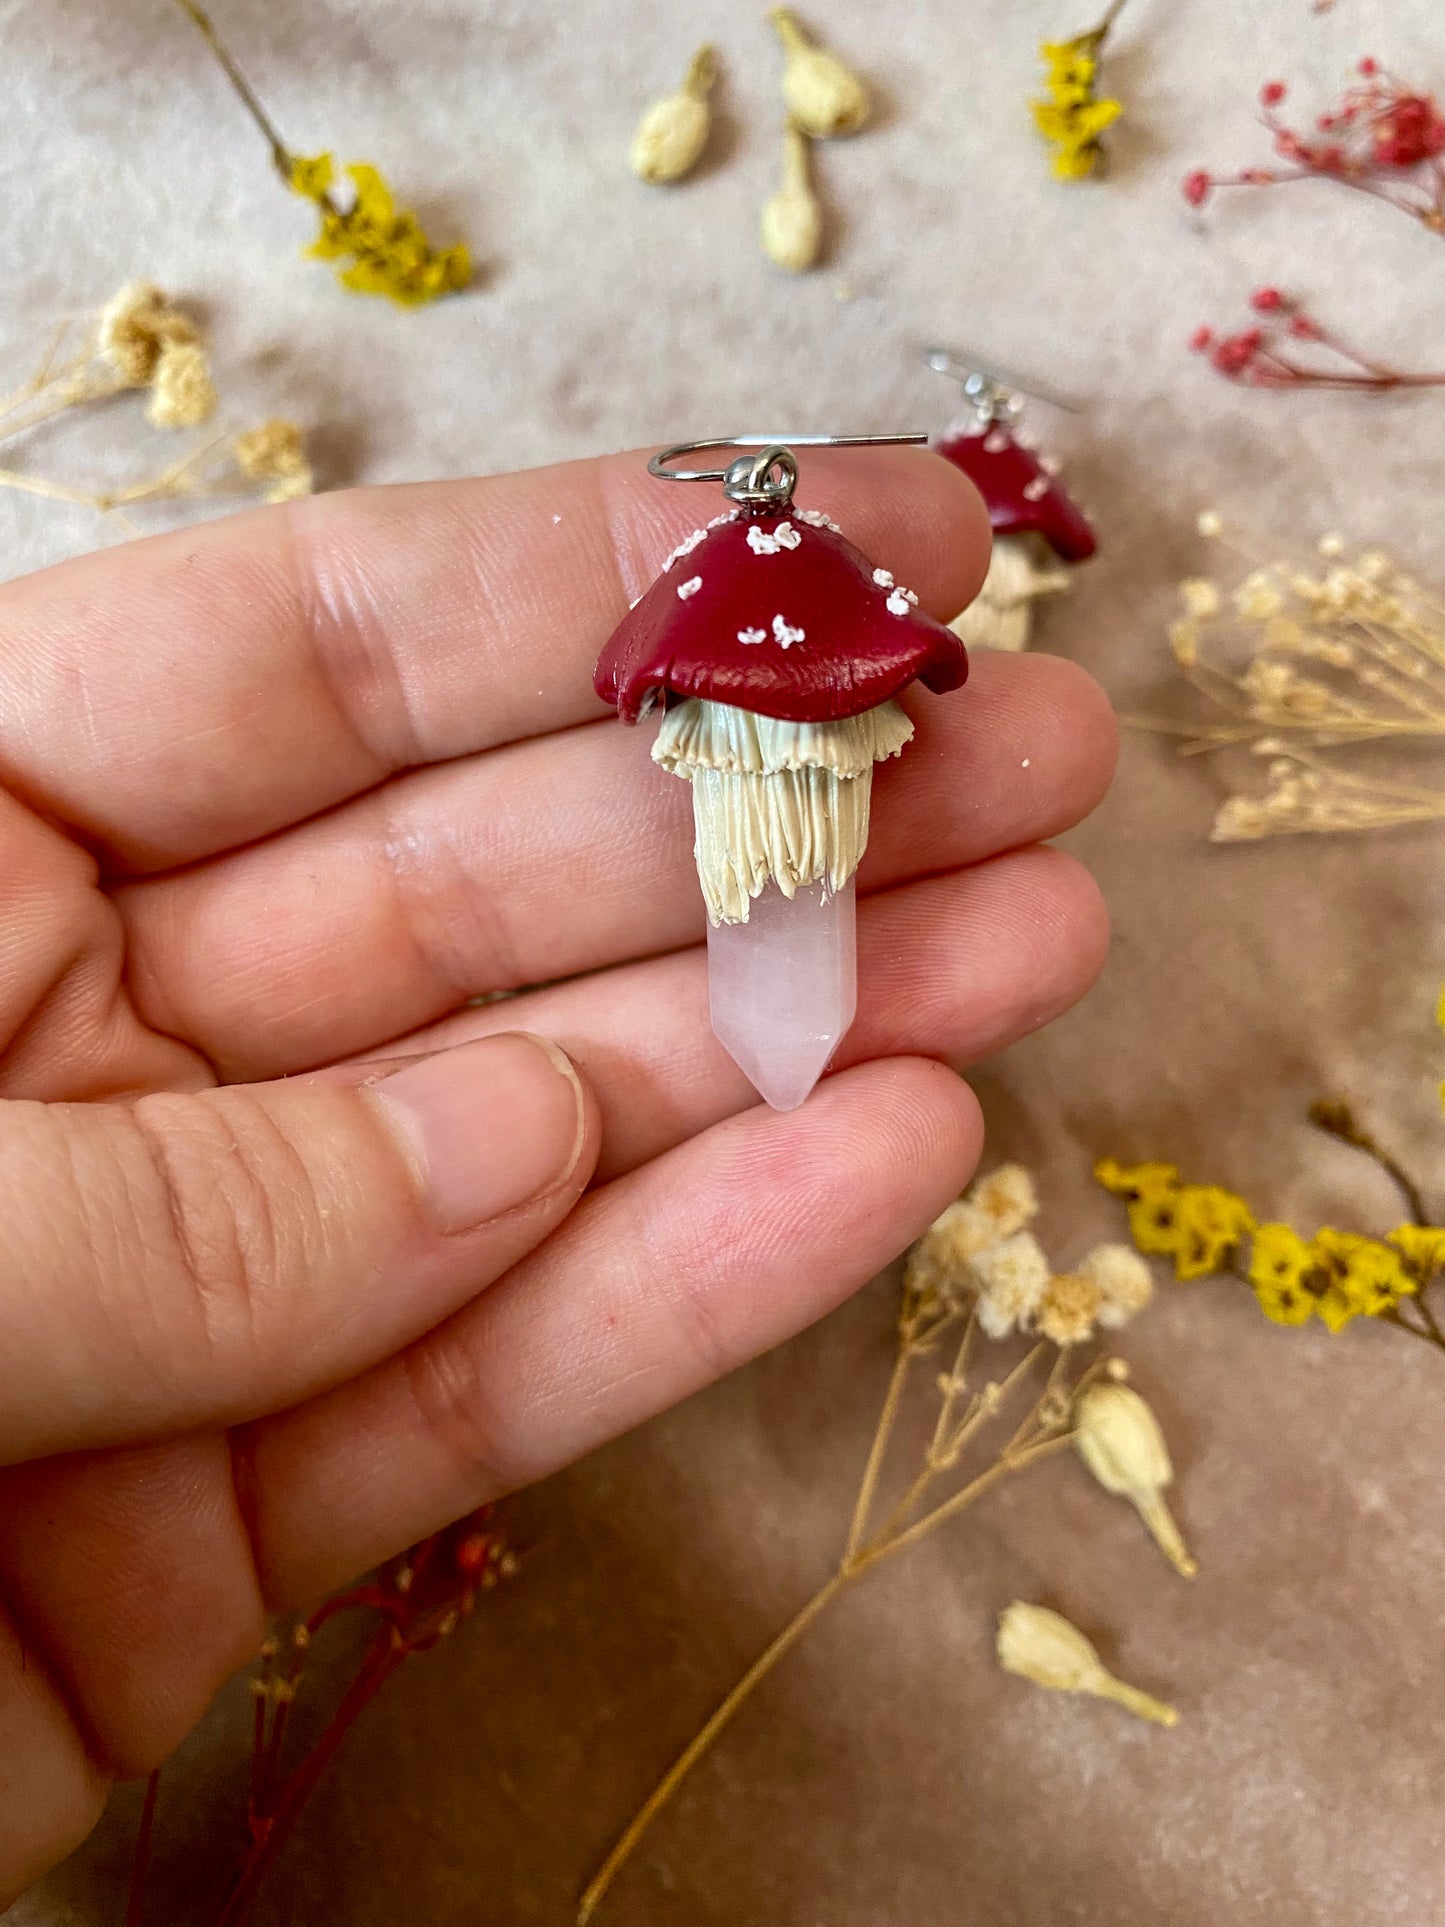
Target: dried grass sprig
141 342
1338 656
1022 1417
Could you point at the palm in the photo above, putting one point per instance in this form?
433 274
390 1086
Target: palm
295 789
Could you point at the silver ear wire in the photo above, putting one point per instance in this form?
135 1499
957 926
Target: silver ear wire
993 395
767 479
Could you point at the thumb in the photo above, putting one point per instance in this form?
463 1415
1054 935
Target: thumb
188 1260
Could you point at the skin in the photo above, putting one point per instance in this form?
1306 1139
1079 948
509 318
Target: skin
280 795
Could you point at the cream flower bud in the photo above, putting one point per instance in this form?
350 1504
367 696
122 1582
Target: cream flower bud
1119 1439
673 132
1048 1649
792 221
824 97
182 393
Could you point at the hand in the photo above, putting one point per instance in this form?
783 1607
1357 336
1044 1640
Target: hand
294 1264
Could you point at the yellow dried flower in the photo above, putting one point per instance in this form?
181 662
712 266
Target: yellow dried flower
386 246
824 98
1067 1311
1010 1279
1118 1438
182 392
673 132
1125 1283
135 324
1073 116
1048 1649
1422 1246
1281 1269
1199 1226
1360 1276
275 453
792 221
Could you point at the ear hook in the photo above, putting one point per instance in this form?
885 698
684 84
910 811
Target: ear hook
767 479
993 394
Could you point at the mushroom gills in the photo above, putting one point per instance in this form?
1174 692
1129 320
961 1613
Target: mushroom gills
1022 568
775 801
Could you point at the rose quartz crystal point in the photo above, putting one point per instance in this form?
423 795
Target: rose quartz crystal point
783 988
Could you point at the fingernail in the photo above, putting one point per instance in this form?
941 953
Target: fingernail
490 1125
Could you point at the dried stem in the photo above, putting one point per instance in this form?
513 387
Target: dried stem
1038 1437
280 154
1333 1116
140 1860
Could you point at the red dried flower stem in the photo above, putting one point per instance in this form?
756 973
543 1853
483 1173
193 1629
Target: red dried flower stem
269 1831
1382 138
140 1860
420 1600
1259 356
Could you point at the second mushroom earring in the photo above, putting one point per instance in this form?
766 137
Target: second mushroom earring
775 651
1039 533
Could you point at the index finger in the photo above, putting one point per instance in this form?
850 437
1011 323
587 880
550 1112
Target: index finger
198 690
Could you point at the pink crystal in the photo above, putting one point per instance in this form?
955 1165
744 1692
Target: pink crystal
783 988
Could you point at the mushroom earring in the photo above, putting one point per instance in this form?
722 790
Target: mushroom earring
776 651
1039 534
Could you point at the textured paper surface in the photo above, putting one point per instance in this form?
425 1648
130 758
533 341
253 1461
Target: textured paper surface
889 1772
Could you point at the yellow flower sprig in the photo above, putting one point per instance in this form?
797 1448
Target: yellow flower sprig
1073 115
1335 1276
384 248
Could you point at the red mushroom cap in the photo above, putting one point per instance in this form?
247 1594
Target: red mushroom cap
778 614
1022 497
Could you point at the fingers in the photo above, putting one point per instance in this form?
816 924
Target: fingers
656 1285
196 1259
129 1573
259 670
554 857
50 1794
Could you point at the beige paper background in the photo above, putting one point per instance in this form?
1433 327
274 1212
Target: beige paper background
889 1773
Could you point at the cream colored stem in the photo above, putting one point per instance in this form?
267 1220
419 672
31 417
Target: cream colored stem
882 1433
1144 1704
850 1568
704 1737
1156 1515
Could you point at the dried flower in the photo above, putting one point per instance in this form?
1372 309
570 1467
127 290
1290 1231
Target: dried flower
135 324
792 221
1336 1276
1119 1439
275 453
385 247
1068 1309
824 98
1010 1279
1382 136
1073 115
1376 641
673 132
1123 1281
140 339
1048 1649
1266 355
182 392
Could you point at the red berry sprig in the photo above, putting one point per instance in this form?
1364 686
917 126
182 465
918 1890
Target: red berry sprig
1265 355
1382 137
